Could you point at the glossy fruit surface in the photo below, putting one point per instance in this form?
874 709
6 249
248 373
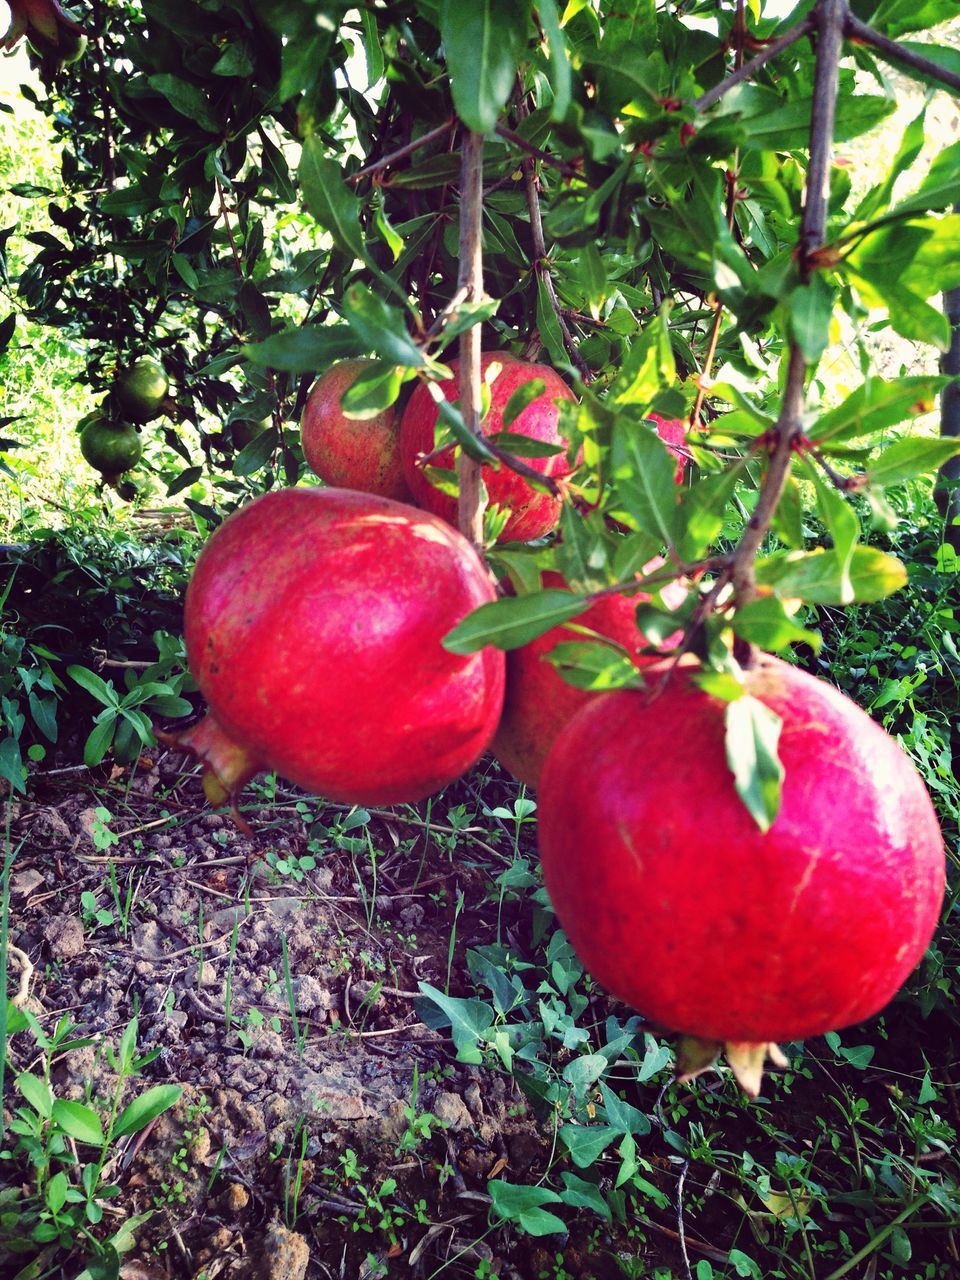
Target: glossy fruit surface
140 390
110 448
532 513
538 701
313 624
677 903
351 453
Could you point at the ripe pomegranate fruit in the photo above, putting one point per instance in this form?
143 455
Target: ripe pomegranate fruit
538 701
313 625
351 453
532 513
678 904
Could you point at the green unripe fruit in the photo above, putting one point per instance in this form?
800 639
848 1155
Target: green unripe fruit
140 390
110 448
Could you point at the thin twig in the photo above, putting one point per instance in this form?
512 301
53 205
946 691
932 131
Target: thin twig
893 51
541 265
564 166
749 69
402 152
469 506
830 16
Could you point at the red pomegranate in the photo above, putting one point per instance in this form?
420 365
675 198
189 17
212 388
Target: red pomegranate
349 452
538 701
673 433
679 905
313 626
532 513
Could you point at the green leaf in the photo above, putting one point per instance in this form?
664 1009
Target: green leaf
381 327
329 198
521 398
843 526
766 623
810 309
524 446
512 1202
474 446
648 366
469 1020
940 188
37 1093
595 665
93 684
548 324
255 455
645 477
483 42
305 350
559 62
137 1114
752 736
584 1195
817 576
513 621
895 17
624 1117
80 1122
787 128
55 1192
586 1143
189 476
188 99
374 390
909 458
876 406
98 743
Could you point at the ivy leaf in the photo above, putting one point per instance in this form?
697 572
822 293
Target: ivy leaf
752 736
469 1020
513 621
483 42
580 1194
524 1206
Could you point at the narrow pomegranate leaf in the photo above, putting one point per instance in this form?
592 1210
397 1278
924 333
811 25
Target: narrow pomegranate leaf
526 446
306 349
909 458
644 473
815 576
523 396
483 42
752 737
596 665
876 406
514 621
375 389
843 526
766 623
559 63
381 327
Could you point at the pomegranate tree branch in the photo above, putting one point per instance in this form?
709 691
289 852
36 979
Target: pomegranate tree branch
750 69
829 16
564 166
470 279
541 266
401 153
893 51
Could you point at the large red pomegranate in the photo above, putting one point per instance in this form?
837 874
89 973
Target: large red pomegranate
314 620
679 905
351 453
532 513
538 701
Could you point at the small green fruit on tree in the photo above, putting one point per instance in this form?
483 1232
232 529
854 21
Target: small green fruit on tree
140 390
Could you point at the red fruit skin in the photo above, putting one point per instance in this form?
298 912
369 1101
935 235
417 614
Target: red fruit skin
351 453
533 514
313 625
673 433
678 904
538 702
